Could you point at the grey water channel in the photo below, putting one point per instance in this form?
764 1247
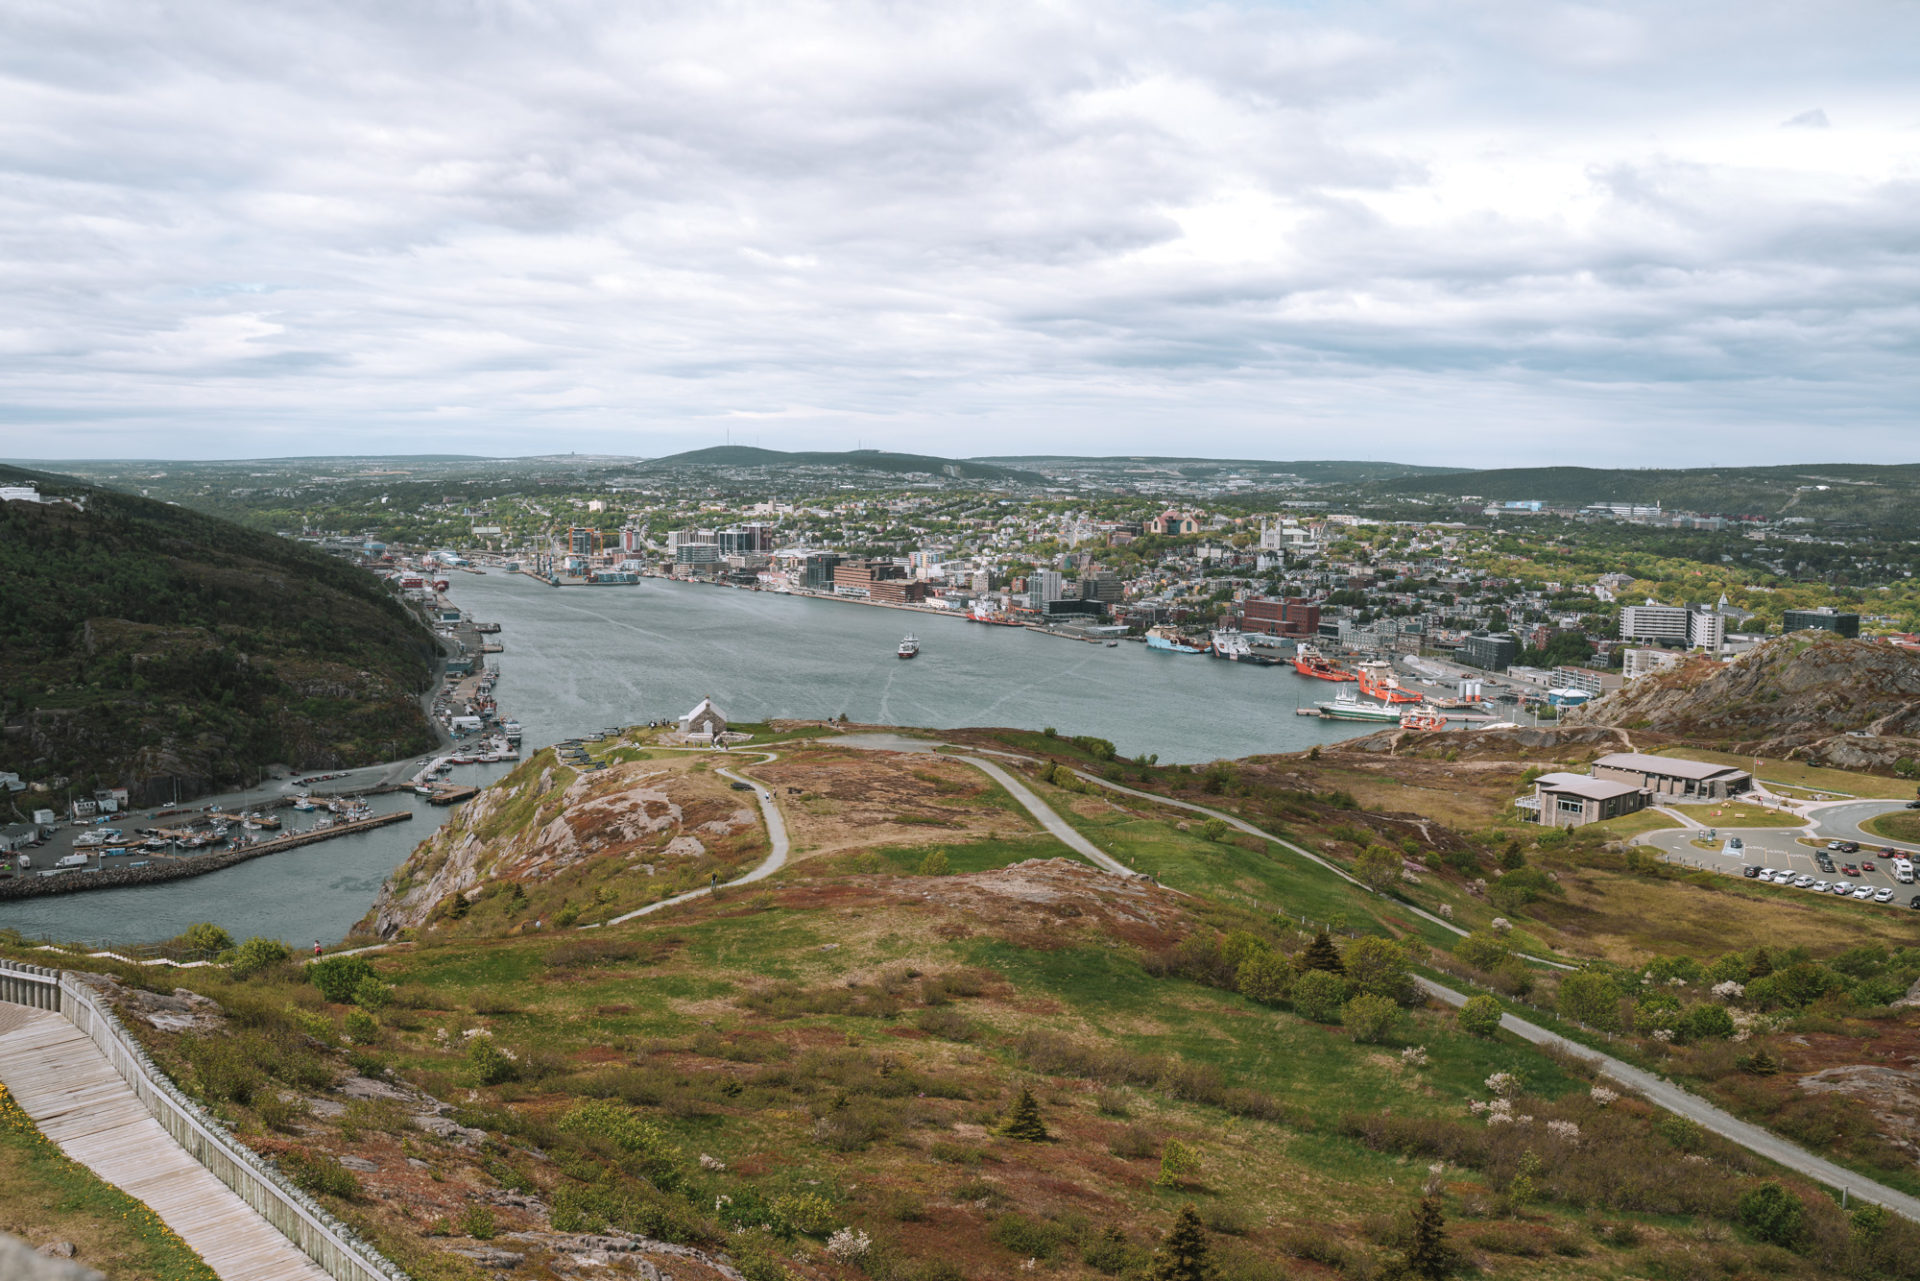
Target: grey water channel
578 659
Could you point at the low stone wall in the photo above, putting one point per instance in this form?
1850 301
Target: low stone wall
173 869
306 1223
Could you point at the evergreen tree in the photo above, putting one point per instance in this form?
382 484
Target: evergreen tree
1024 1121
1429 1256
1321 954
1182 1256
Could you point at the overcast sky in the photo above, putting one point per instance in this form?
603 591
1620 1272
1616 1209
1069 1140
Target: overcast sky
1457 233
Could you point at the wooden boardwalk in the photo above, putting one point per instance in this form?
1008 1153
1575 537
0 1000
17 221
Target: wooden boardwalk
61 1080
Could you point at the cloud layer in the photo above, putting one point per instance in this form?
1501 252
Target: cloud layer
1465 233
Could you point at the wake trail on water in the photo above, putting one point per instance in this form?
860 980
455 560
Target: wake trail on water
614 622
980 717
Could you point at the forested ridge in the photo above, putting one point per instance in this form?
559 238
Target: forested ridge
143 644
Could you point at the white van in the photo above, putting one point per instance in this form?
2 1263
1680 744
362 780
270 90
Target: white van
1903 871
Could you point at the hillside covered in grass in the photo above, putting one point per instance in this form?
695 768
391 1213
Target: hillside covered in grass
935 1047
147 645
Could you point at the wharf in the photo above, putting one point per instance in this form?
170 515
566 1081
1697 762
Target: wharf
170 868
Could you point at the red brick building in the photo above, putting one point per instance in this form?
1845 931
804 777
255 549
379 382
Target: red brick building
1289 617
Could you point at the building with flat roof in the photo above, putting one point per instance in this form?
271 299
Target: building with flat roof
1673 778
1574 800
1494 652
1641 662
1824 619
1290 616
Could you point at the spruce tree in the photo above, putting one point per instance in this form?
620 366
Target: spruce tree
1024 1121
1321 954
1182 1256
1429 1256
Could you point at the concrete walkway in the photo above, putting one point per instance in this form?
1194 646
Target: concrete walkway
1665 1094
1056 826
63 1081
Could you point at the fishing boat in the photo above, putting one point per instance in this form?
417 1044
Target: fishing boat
908 647
1346 707
1171 641
1377 680
1422 720
304 803
1309 661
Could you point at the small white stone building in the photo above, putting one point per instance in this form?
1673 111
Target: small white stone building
704 722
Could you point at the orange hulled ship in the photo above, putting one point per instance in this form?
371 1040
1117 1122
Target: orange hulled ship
1377 680
1309 661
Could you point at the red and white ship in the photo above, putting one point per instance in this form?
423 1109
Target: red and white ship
1309 661
1377 680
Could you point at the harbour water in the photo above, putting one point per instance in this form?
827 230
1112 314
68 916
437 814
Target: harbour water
579 659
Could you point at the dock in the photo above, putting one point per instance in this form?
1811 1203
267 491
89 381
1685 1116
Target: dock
174 868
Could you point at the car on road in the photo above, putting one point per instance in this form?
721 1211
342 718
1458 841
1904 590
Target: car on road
1864 892
1843 887
1914 902
1913 805
1821 887
1884 895
1833 845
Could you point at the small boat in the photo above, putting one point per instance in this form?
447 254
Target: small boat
304 804
909 647
1426 721
1113 644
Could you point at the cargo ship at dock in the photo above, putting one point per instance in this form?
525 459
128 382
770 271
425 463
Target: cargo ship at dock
1170 640
1235 648
1346 707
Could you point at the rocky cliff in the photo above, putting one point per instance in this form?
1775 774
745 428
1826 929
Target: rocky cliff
546 839
1848 703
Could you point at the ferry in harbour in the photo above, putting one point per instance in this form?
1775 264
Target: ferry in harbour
909 647
1309 661
1169 639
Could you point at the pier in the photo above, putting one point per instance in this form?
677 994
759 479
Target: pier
170 868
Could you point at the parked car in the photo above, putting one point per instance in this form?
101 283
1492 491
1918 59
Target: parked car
1850 869
1866 865
1803 882
1849 847
1843 887
1914 902
1884 895
1833 845
1864 892
1750 871
1821 887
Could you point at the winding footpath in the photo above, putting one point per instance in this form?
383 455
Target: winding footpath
776 837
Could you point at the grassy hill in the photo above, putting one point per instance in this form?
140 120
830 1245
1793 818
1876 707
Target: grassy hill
147 645
873 460
1865 494
817 1077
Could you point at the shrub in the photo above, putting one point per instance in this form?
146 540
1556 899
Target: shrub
372 995
1318 995
1369 1018
478 1223
1480 1016
935 864
320 1174
807 1213
1772 1214
488 1064
1214 829
1321 954
362 1026
205 937
1377 867
223 1068
1110 1252
1178 1165
257 955
338 976
278 1113
1027 1237
1378 967
1267 979
1482 949
1592 999
1706 1022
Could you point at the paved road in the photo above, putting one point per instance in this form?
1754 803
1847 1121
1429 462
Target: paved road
1665 1094
1061 830
776 836
1780 847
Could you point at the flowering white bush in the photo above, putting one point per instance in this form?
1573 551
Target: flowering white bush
1504 1084
1602 1096
848 1244
1500 925
1409 877
1663 1034
1446 911
711 1163
1565 1131
1414 1056
1676 981
1729 990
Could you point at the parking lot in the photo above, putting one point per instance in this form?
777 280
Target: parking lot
1779 850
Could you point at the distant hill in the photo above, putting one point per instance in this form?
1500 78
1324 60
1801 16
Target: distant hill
874 460
146 644
1321 471
1869 494
1851 704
